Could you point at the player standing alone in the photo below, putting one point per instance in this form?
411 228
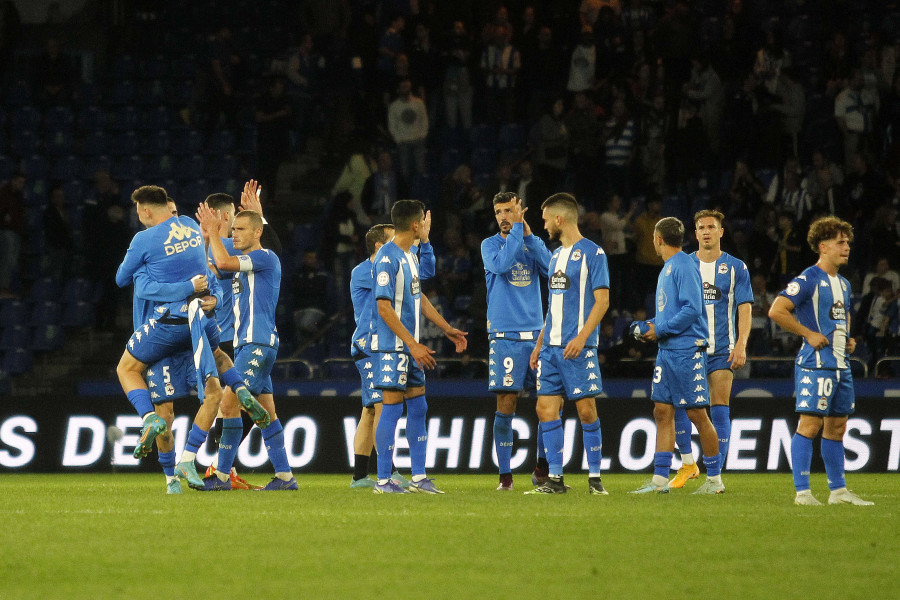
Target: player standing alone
512 260
815 306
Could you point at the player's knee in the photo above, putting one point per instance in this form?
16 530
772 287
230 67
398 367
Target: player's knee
587 410
663 413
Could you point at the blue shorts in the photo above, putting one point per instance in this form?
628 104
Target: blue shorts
171 378
396 371
679 379
824 393
155 340
510 371
573 379
254 362
370 396
717 362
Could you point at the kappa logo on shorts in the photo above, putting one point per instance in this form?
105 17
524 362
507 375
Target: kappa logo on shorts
387 357
683 401
593 388
131 344
368 375
804 404
376 395
247 382
257 352
591 365
697 366
254 362
150 373
387 369
805 392
492 351
589 354
492 373
491 362
699 400
806 380
146 329
154 395
137 335
698 377
699 388
576 391
592 376
494 383
151 384
250 372
372 384
368 365
386 379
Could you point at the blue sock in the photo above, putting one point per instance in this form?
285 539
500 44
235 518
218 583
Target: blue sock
503 440
662 464
273 436
712 465
167 461
553 446
593 443
833 456
231 378
232 432
196 438
140 400
801 461
721 420
542 451
683 429
417 433
384 438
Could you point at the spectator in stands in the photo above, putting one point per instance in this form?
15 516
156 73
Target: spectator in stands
885 238
705 88
618 138
792 108
872 319
866 188
819 161
457 85
54 75
688 150
57 234
654 134
760 325
883 270
455 266
613 225
532 194
312 301
647 262
856 111
273 131
790 196
12 229
359 167
502 180
305 70
408 125
739 126
583 63
828 197
384 187
584 148
106 240
637 17
423 68
770 60
606 341
391 44
460 195
550 139
341 245
500 63
787 256
745 183
219 79
543 74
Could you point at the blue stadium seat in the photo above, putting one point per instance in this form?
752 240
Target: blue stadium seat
426 188
46 312
158 168
24 142
511 137
306 236
194 192
451 158
79 289
74 189
35 166
7 167
66 168
483 136
91 118
78 314
483 160
14 336
87 94
159 118
25 117
339 368
94 144
220 142
119 93
123 67
190 168
97 163
18 361
187 142
150 93
182 92
452 137
128 167
154 67
46 337
125 143
124 118
45 288
58 143
246 141
13 312
36 195
221 167
18 93
59 118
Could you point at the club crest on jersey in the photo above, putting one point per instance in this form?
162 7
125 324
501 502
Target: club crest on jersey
792 289
822 404
170 389
507 380
559 281
723 268
402 379
576 255
181 237
383 278
661 300
838 312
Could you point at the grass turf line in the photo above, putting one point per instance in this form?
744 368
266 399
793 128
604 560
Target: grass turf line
104 536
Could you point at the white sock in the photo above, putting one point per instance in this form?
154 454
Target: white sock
715 478
688 458
188 456
659 480
284 476
171 478
222 476
383 481
593 474
418 478
215 462
804 493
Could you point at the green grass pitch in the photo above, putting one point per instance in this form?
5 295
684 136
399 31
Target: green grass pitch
120 536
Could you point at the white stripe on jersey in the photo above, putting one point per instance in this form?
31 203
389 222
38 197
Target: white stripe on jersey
582 290
237 320
815 304
732 326
251 285
839 341
399 289
556 300
417 303
708 275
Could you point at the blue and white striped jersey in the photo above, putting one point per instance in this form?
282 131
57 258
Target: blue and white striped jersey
511 268
255 288
397 280
225 310
822 303
726 285
680 320
575 272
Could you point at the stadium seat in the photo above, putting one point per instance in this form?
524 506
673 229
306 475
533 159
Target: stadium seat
25 117
97 163
119 93
158 118
194 192
87 94
339 368
7 167
221 167
128 167
24 142
35 166
79 289
14 336
91 118
220 142
187 142
123 67
155 143
124 118
125 143
426 188
483 161
150 93
158 168
45 288
66 168
46 312
58 143
483 136
511 137
46 337
18 361
306 236
78 314
59 118
18 93
36 195
451 158
190 168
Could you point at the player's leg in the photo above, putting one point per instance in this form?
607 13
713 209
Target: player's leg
503 436
165 447
417 431
231 377
130 372
664 378
550 399
841 404
808 428
385 435
229 442
203 421
363 442
273 439
709 442
683 430
720 382
593 442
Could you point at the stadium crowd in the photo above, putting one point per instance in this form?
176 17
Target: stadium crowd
773 113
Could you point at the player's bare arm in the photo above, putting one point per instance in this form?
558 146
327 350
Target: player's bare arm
536 353
738 356
454 335
601 305
782 312
212 224
420 353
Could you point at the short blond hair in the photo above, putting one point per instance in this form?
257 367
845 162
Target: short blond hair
702 214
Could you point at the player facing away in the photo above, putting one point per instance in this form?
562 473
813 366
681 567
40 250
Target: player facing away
815 306
565 354
256 284
399 359
173 253
362 295
680 328
728 300
513 259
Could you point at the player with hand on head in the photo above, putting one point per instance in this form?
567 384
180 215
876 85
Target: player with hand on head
513 259
399 358
256 285
565 354
680 328
728 301
816 306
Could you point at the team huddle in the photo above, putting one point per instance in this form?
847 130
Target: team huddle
701 326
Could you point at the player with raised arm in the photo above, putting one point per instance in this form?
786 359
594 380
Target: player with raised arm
256 284
728 299
169 254
399 358
680 328
565 354
816 306
512 259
